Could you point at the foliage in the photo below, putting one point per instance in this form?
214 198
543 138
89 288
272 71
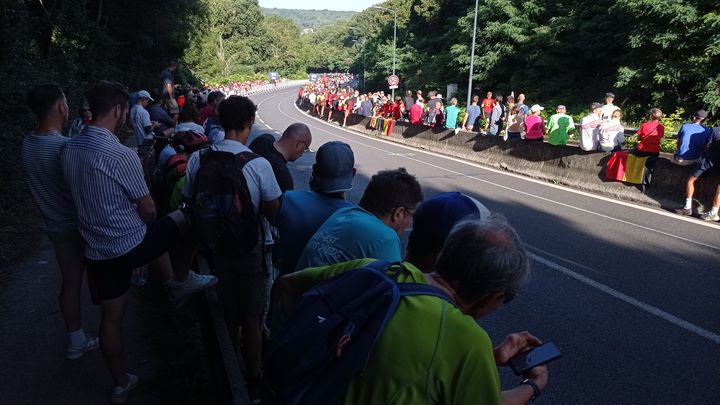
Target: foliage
314 19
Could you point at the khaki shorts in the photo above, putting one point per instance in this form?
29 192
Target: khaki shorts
69 250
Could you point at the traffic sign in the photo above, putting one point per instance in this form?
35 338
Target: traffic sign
393 81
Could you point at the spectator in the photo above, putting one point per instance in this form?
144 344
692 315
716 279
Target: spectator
117 220
140 118
82 120
433 107
433 221
168 80
398 109
365 107
371 230
295 140
451 114
188 119
534 124
692 140
515 123
487 105
650 133
707 165
419 97
472 114
590 128
481 267
416 113
560 126
41 164
713 214
409 101
521 103
303 212
497 117
166 123
242 286
209 111
612 133
608 108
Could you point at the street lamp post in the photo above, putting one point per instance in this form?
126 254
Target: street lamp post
472 56
394 39
362 50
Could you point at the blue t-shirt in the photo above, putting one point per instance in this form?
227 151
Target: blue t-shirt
350 233
473 113
167 77
692 139
301 214
366 109
451 115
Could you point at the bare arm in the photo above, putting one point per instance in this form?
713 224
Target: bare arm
269 209
146 209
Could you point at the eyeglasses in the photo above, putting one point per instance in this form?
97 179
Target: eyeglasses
509 296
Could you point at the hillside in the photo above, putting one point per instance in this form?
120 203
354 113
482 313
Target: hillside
311 18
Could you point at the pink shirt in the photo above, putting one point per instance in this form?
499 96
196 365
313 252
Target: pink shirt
534 127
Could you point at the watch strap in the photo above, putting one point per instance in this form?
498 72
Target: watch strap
536 389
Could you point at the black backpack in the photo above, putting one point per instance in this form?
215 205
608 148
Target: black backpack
224 218
165 178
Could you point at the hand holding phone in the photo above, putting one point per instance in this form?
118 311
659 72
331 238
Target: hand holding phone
534 357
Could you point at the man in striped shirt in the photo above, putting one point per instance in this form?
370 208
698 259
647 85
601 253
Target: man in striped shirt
117 219
41 163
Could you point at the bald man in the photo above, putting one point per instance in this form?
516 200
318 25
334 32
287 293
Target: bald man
292 144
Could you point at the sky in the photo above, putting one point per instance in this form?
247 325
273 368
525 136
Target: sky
353 5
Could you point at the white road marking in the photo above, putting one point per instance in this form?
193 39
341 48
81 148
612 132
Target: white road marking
702 332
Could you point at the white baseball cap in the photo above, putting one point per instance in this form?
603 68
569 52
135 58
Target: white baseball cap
536 108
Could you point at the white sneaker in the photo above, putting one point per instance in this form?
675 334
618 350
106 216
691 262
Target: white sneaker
119 395
75 352
194 283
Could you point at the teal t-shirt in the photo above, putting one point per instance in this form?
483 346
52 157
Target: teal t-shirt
351 233
429 352
451 116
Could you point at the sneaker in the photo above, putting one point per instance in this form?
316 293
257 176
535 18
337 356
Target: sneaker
75 352
119 395
708 216
684 211
194 283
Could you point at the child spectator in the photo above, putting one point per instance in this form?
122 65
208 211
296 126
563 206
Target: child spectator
451 114
487 105
590 128
650 133
612 133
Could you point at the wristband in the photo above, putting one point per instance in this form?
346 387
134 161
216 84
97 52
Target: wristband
536 389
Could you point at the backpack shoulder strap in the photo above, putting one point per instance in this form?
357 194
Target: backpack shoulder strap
245 157
423 289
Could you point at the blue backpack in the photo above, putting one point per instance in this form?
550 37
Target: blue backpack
329 339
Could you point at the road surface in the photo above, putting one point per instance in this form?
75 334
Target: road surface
630 294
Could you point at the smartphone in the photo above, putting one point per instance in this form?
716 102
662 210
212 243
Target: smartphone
534 357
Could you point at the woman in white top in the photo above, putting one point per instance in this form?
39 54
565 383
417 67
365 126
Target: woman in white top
612 133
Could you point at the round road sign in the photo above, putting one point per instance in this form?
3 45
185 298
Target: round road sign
393 80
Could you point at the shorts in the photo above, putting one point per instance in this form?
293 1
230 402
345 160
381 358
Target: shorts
109 279
706 165
69 250
534 139
242 284
513 135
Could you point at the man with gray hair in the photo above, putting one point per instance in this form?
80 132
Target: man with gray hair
482 266
290 147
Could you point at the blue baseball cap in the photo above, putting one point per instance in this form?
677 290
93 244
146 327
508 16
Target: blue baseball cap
436 217
333 168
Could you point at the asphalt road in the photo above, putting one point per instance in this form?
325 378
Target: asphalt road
630 294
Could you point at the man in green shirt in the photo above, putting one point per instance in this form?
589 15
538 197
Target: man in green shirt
559 126
447 358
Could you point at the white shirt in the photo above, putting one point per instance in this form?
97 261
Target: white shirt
259 175
590 132
140 119
607 111
612 133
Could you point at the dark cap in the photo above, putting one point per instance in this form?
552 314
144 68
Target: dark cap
609 95
436 217
701 114
333 168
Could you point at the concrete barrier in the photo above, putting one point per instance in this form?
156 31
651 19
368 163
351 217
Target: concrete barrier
567 165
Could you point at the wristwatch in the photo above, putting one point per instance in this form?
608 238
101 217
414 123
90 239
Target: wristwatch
536 389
